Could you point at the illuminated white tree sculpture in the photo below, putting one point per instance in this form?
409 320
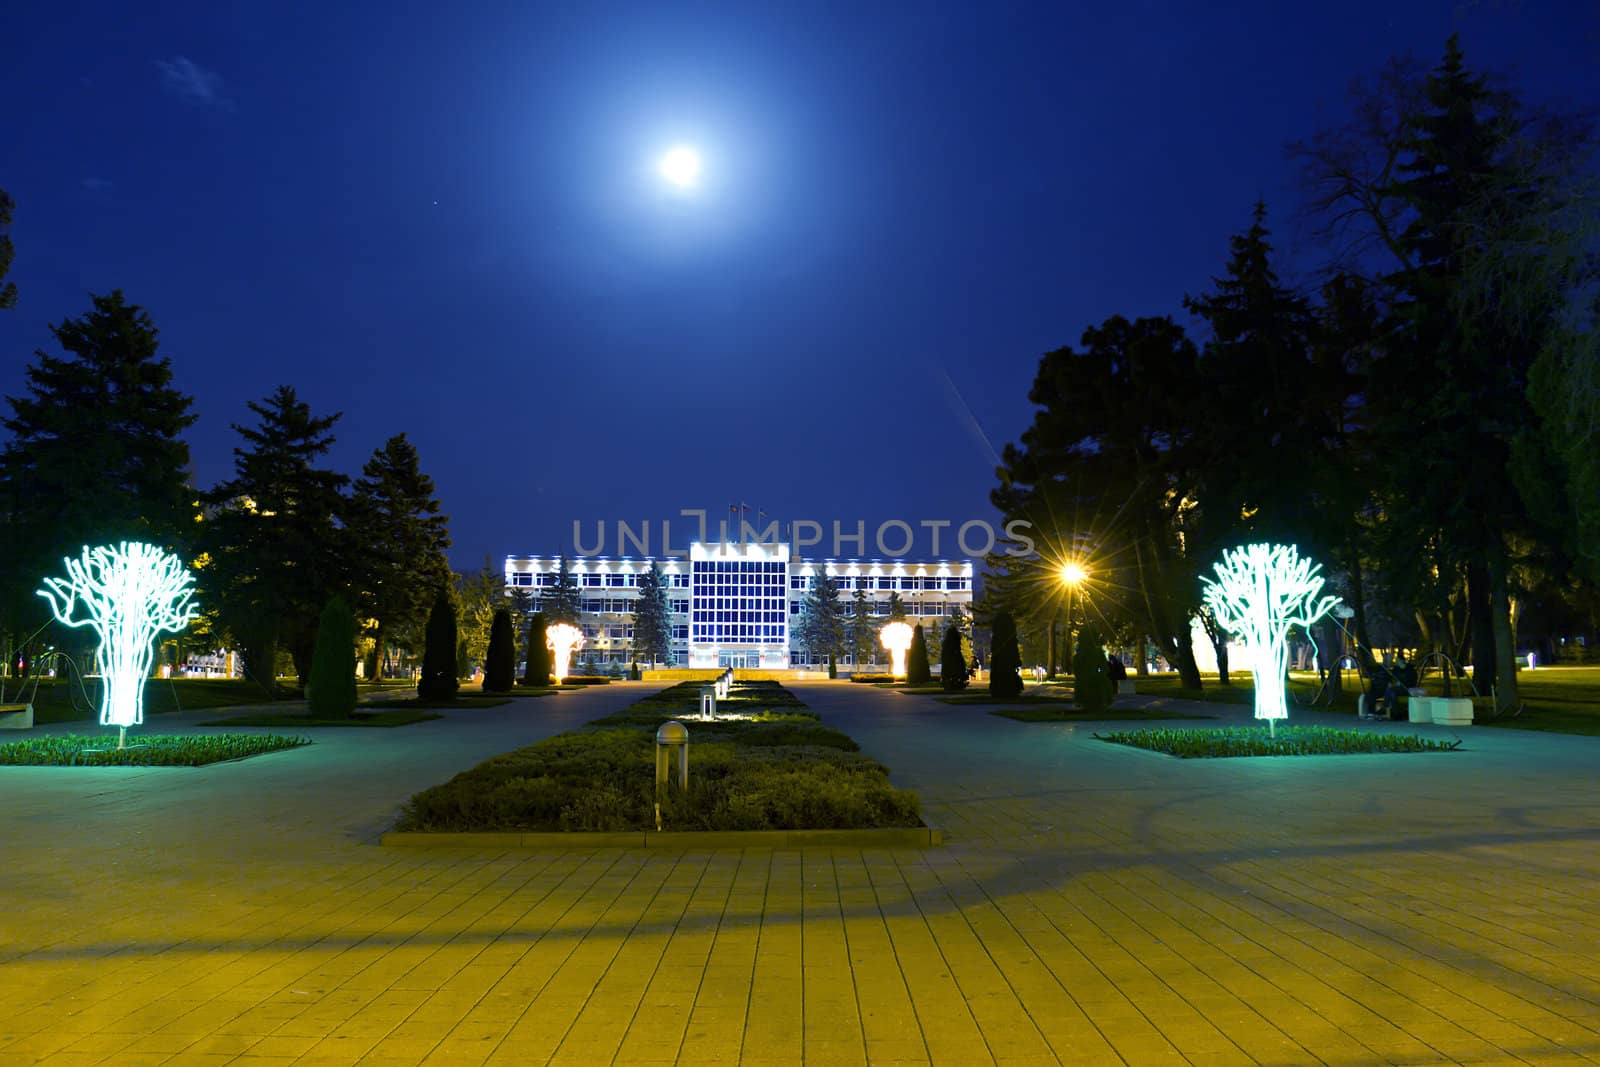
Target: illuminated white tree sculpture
1260 592
896 637
132 593
564 639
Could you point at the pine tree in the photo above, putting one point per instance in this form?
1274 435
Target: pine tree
1005 660
1091 683
953 659
95 454
536 667
918 671
863 630
399 538
821 629
500 667
331 690
897 607
652 623
439 651
563 602
274 549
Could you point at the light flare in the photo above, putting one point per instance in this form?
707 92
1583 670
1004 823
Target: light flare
896 637
563 639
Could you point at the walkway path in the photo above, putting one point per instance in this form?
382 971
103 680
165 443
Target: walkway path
1095 904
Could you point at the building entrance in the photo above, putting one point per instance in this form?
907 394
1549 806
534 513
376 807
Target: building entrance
739 661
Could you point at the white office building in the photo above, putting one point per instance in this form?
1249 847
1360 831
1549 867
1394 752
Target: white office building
736 605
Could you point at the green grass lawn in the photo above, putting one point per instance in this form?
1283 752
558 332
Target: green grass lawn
1236 741
288 719
777 767
1072 714
61 700
144 750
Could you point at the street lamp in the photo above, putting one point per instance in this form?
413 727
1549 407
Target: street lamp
1072 576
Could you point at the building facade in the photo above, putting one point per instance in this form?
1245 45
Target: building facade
738 605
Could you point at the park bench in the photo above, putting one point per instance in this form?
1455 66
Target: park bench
16 716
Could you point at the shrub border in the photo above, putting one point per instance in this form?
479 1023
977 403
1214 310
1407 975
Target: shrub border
886 837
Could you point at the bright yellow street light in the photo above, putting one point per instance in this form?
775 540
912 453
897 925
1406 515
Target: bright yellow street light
1073 574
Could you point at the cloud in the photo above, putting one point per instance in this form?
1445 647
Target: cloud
189 81
98 185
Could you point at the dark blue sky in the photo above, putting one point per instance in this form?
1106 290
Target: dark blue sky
442 219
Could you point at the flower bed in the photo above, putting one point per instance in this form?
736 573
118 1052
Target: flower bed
1203 743
144 750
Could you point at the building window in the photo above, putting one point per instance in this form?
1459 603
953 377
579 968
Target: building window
522 579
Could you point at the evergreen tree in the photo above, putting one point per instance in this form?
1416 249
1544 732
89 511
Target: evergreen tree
962 624
1266 410
897 607
863 631
479 595
439 650
1107 454
1090 680
8 290
399 538
821 629
1005 661
536 668
500 666
563 602
953 660
274 549
918 671
652 622
95 454
331 690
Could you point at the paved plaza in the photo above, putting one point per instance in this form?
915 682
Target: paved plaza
1094 904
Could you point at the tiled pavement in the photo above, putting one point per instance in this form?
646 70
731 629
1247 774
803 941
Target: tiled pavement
1095 904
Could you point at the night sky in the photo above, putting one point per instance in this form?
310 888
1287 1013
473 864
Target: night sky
444 219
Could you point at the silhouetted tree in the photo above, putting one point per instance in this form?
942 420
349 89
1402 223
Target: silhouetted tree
1005 660
95 454
536 670
439 650
499 667
399 539
331 690
918 671
274 547
1091 685
952 660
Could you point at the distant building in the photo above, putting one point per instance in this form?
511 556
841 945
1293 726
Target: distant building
736 605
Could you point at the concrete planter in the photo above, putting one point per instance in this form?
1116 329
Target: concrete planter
1452 711
1420 709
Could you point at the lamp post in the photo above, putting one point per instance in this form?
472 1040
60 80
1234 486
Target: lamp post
1072 576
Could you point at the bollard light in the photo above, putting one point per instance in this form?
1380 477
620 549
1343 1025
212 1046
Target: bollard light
708 702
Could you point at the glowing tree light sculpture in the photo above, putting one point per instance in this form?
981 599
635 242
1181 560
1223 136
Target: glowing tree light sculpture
896 637
564 639
132 593
1260 592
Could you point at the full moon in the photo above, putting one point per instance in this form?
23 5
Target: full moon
681 166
